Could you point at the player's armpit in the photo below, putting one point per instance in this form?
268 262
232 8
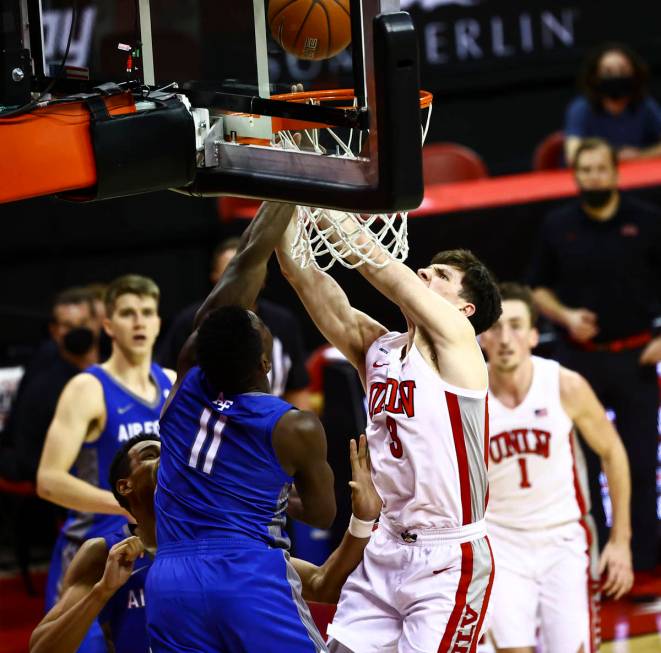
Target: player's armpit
299 442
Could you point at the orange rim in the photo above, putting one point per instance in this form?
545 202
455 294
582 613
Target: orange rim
329 95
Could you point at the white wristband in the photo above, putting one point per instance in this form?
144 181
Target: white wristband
359 528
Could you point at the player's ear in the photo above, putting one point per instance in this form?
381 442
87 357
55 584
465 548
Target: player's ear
468 309
533 341
124 486
265 364
107 327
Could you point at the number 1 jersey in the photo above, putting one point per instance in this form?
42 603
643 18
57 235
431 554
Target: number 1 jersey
219 476
536 472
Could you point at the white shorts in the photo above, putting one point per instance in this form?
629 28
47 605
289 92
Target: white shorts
426 595
546 578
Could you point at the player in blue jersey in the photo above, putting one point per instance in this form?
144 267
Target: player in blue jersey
106 578
222 580
98 411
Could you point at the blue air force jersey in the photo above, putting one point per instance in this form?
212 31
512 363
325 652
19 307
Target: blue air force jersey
219 476
127 415
125 611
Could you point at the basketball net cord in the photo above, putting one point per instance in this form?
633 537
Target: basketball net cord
325 236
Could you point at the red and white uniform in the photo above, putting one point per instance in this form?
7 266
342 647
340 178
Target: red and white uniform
538 523
427 571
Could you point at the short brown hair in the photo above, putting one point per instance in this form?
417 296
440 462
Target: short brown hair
589 144
478 286
513 290
132 284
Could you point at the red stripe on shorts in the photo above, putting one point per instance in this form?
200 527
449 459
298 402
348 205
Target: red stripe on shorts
460 597
588 543
462 457
485 601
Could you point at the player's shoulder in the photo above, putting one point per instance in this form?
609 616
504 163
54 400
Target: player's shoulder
298 422
84 387
572 384
89 562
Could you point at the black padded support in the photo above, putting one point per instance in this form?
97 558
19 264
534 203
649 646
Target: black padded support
399 185
139 152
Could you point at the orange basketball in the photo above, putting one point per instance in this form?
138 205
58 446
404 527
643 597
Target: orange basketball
311 29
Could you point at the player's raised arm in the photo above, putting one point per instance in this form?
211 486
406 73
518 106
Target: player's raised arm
94 575
323 584
348 329
585 410
245 274
81 406
442 320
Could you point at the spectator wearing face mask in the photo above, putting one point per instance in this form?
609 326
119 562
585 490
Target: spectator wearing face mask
71 348
614 105
596 273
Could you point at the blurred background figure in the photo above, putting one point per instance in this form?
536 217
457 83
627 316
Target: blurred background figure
289 378
597 275
614 105
73 345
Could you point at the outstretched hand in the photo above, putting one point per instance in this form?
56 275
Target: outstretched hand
365 501
119 565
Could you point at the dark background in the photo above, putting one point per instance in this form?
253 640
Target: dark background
499 95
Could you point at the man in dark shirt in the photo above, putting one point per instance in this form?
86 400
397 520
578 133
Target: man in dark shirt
289 378
597 274
72 347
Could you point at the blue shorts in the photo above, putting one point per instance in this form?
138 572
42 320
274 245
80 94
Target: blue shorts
229 596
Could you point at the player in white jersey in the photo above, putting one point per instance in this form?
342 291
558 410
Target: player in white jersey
544 544
426 575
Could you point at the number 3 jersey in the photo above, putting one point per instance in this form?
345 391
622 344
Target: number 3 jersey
219 476
536 472
427 440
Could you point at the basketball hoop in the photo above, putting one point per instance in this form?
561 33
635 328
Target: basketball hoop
322 237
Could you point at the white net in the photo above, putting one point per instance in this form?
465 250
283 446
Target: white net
324 237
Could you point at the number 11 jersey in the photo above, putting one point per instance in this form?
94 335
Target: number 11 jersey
537 476
219 476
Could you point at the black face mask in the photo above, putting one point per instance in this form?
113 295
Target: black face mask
78 341
616 88
596 198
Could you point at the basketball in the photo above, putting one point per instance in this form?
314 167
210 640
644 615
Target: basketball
311 29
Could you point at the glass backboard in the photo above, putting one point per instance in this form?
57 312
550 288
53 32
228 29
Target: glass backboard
222 56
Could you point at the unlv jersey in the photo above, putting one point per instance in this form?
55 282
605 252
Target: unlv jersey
426 438
537 475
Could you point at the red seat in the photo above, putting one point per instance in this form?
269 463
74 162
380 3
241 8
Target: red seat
21 488
549 154
448 162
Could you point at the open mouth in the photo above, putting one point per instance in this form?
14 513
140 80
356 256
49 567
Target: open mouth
139 338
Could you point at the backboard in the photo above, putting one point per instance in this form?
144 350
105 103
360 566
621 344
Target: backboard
221 56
